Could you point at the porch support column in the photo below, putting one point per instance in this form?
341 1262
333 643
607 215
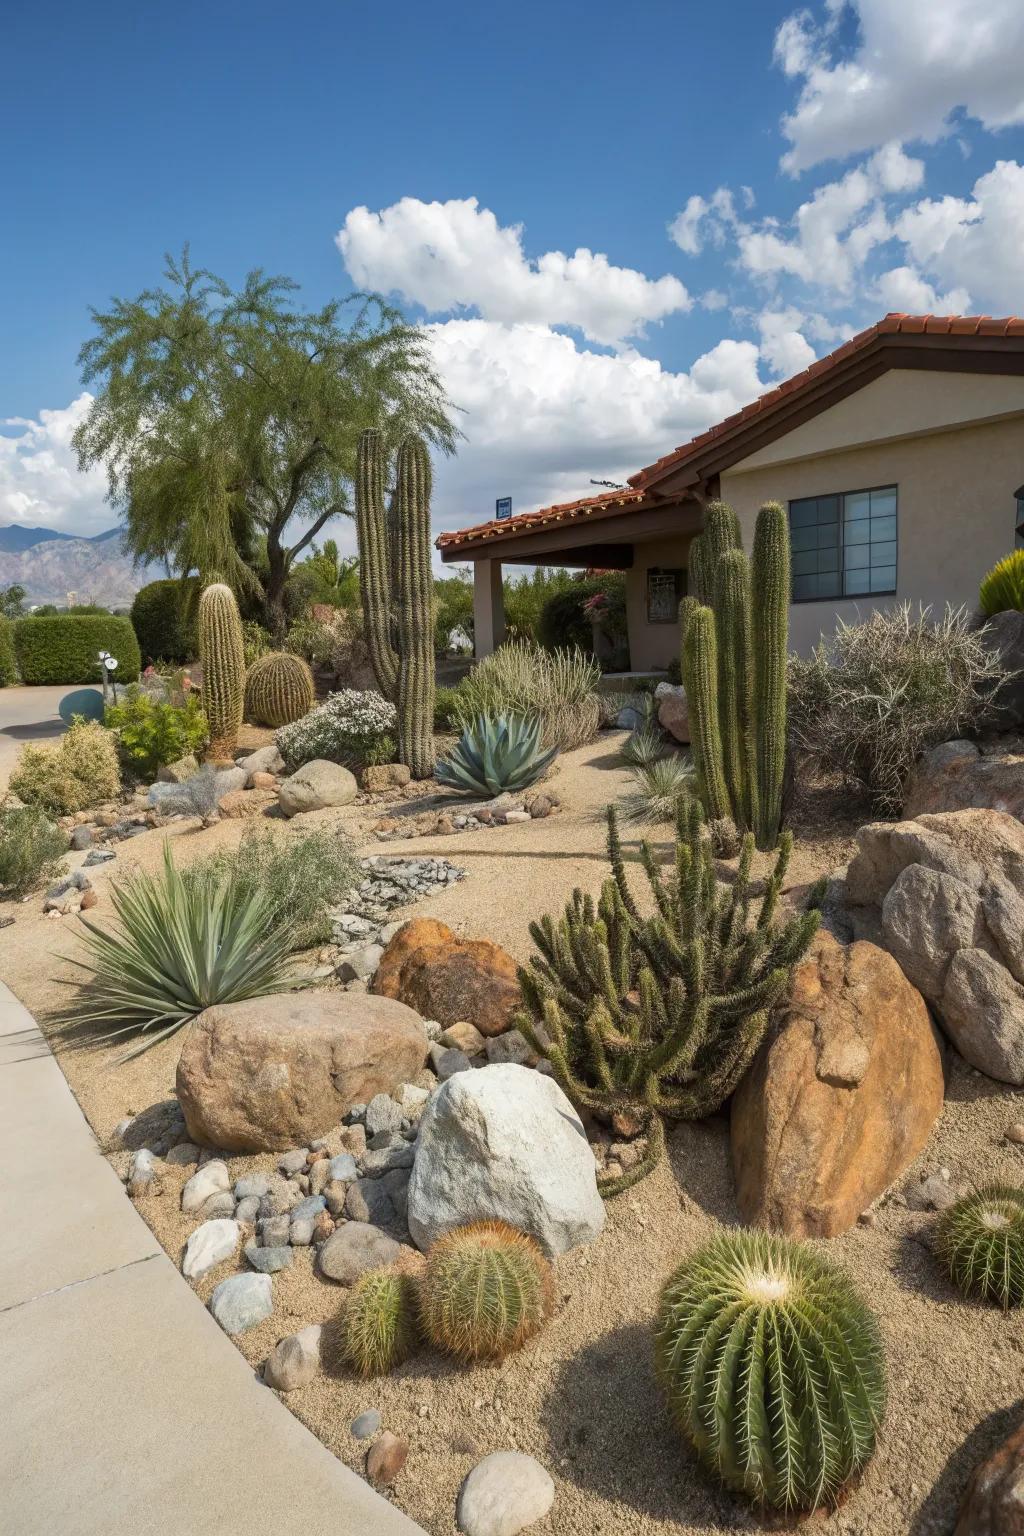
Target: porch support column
488 607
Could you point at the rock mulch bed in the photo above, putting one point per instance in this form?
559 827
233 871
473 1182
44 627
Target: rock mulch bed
503 811
361 926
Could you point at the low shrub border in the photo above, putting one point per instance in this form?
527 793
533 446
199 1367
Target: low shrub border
65 649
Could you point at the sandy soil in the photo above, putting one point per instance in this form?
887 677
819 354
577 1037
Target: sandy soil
582 1397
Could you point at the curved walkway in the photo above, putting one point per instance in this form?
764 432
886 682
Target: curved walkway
125 1408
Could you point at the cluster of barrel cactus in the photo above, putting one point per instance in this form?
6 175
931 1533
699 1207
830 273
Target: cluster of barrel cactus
396 588
379 1325
496 754
980 1239
222 654
734 669
772 1367
659 1016
279 689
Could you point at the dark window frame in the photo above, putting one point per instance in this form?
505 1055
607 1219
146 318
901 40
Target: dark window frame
841 497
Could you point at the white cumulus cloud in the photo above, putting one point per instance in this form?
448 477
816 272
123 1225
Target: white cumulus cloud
40 484
455 255
974 244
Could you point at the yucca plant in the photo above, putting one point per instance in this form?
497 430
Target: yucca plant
379 1326
642 747
1003 587
487 1288
980 1239
181 945
656 788
772 1366
495 755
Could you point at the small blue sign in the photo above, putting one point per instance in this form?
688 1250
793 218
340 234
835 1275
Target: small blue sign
503 507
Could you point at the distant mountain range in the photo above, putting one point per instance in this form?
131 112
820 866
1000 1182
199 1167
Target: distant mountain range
51 565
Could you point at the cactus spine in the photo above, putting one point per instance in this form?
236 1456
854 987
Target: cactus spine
486 1289
378 1326
980 1239
278 689
222 653
735 675
397 590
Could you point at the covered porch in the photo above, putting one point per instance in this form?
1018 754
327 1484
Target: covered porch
646 537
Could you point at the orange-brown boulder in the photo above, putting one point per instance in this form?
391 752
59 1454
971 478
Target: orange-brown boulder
992 1505
449 979
840 1098
273 1072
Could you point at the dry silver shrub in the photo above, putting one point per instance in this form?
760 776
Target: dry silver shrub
873 698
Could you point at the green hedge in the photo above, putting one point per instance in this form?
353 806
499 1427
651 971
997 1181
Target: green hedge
159 619
64 649
8 666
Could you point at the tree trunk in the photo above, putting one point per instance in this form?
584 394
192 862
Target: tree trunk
273 602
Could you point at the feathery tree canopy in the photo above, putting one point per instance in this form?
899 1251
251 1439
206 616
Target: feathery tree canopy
228 421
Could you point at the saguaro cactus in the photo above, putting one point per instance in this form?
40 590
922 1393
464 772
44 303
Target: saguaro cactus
222 654
397 590
770 601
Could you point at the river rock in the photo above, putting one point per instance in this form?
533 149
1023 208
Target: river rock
208 1246
294 1361
242 1301
503 1143
317 786
212 1179
840 1098
505 1493
268 1073
353 1249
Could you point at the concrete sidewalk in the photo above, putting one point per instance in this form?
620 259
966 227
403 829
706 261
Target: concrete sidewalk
125 1408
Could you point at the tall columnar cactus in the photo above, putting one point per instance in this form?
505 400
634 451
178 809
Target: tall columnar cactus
397 589
486 1289
659 1017
222 654
278 689
773 1368
735 676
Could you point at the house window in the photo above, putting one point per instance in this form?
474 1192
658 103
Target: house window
843 546
664 591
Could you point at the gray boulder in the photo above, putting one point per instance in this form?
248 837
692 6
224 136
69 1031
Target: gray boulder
294 1361
353 1249
263 760
504 1143
317 786
242 1301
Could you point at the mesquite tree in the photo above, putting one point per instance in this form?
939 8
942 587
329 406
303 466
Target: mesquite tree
659 1017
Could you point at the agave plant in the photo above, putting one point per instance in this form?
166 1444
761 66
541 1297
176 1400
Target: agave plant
182 945
496 754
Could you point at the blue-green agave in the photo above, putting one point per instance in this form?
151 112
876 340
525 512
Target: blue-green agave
495 754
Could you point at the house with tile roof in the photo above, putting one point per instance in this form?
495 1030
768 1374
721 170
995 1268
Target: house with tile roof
900 459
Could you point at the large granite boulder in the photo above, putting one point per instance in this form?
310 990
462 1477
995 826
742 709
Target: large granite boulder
948 892
1004 635
993 1504
503 1143
273 1072
956 777
673 710
449 979
316 787
840 1098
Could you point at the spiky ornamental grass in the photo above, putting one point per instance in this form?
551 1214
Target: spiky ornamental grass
773 1368
180 946
656 788
379 1326
487 1288
643 746
659 1017
980 1239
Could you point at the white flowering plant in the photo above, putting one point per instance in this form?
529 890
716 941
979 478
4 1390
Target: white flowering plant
351 727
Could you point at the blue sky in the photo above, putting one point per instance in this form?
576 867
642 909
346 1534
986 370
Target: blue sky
620 223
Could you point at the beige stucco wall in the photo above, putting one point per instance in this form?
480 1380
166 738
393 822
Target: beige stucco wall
955 494
652 645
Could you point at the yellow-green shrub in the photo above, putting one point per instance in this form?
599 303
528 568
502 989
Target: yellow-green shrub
76 772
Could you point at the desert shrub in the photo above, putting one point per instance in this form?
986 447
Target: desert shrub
568 614
659 1017
181 945
32 849
72 774
487 1288
448 708
872 699
495 756
8 665
164 619
453 609
656 788
256 642
151 732
379 1324
302 877
980 1239
772 1366
348 727
1003 587
334 643
559 688
66 647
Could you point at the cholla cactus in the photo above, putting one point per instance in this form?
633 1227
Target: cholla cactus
659 1017
222 654
486 1289
980 1239
278 689
378 1326
773 1368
